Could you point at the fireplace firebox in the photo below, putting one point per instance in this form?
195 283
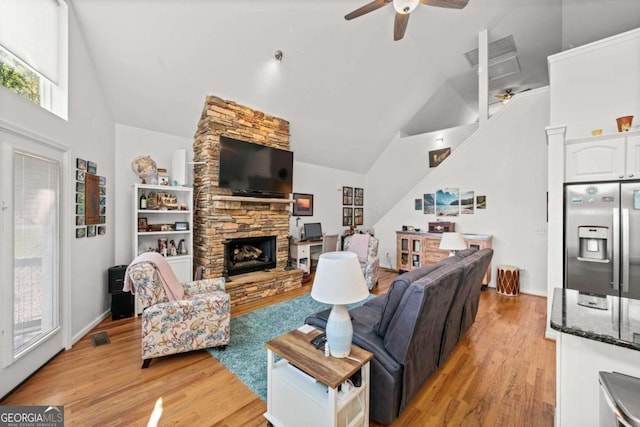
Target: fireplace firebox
248 254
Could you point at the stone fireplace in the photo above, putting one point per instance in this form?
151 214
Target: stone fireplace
248 254
220 216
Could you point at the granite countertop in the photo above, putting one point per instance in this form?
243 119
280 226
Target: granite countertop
467 236
611 320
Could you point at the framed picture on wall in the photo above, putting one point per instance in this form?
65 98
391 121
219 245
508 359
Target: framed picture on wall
347 217
358 196
437 156
347 196
302 204
358 216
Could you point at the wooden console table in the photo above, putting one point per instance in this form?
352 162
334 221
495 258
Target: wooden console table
303 386
415 249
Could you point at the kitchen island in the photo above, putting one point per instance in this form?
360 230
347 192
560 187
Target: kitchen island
595 334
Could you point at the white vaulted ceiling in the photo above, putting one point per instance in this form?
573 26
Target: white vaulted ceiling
345 86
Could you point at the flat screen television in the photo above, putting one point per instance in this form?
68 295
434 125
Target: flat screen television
254 169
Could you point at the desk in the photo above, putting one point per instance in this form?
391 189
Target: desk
303 387
301 253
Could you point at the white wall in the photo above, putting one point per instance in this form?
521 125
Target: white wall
593 84
506 161
403 163
326 186
132 142
89 133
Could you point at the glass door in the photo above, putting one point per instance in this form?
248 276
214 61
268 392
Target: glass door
30 258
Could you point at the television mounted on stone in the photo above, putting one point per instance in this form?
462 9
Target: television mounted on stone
254 169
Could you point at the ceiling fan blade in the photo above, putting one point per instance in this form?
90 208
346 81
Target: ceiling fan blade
450 4
400 25
369 7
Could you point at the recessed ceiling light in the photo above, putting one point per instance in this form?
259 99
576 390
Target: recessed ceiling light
278 55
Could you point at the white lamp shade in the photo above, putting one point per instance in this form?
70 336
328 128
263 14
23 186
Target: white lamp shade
452 242
339 279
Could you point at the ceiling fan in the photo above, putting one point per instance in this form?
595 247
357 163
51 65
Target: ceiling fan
508 94
403 9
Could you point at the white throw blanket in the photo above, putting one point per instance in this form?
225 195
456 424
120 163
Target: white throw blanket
359 244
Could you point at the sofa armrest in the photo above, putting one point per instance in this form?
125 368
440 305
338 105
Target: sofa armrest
364 336
204 286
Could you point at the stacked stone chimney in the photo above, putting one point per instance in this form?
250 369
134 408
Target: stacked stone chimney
218 215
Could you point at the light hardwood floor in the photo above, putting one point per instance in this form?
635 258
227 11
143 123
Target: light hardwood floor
502 373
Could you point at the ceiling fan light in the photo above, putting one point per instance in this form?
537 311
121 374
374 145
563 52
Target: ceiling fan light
405 7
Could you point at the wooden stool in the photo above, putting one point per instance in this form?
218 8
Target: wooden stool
508 281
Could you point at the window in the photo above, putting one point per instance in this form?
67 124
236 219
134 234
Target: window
34 51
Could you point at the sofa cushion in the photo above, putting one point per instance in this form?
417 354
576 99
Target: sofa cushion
395 293
465 253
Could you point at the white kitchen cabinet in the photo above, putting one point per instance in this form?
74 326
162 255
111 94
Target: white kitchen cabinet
603 158
633 156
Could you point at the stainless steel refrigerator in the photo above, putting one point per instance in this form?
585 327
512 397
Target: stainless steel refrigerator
602 238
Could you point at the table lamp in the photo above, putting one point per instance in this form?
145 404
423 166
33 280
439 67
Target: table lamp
452 242
339 281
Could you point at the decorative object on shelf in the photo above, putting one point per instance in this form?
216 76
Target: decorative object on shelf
339 281
302 204
448 202
161 200
441 227
143 225
181 226
163 246
182 247
163 177
437 156
624 123
429 204
145 167
179 167
467 199
452 242
143 201
596 132
347 196
358 196
347 216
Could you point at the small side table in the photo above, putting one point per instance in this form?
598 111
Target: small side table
508 281
303 385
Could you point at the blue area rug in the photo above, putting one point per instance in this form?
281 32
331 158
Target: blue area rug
246 355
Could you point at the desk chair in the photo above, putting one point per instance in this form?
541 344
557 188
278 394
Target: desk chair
329 244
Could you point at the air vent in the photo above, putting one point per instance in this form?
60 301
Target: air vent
100 338
497 49
503 67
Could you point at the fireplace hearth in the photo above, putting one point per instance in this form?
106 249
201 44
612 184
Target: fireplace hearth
248 254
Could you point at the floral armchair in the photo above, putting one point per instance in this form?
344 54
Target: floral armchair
371 264
199 320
